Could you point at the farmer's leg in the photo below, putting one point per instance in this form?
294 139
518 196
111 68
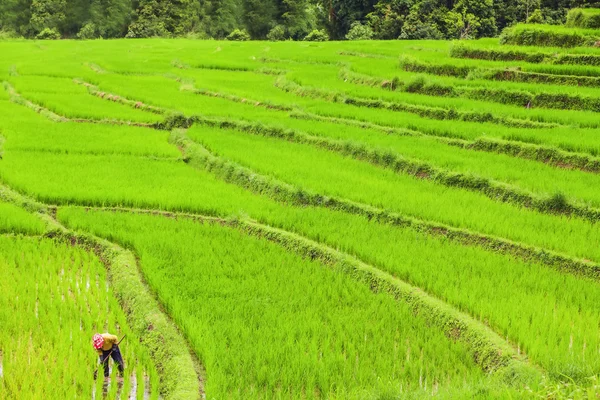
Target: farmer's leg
104 360
116 355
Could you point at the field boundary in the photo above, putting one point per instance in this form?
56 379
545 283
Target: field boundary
199 157
15 97
462 51
515 148
546 154
490 352
21 100
437 113
95 91
494 190
419 85
511 74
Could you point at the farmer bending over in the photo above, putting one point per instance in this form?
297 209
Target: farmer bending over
107 346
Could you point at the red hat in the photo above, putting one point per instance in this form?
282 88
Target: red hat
98 341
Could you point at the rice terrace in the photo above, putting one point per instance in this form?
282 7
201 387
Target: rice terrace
399 219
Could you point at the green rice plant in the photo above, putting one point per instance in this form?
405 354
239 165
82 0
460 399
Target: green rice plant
24 130
436 63
569 139
211 106
48 317
64 97
86 106
431 106
18 221
307 348
333 175
435 160
45 84
531 277
110 180
221 107
474 280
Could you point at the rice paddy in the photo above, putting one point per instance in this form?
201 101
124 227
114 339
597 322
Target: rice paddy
270 220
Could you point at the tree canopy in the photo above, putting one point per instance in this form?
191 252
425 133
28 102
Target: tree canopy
275 19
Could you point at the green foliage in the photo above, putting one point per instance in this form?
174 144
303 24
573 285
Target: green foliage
276 34
161 18
414 29
220 17
317 36
424 19
299 17
238 35
536 17
9 34
48 34
258 17
583 18
359 31
387 18
111 17
146 28
48 16
88 31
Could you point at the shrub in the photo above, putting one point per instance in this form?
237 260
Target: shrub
317 36
462 51
276 34
583 18
415 85
6 34
557 203
359 31
146 28
48 34
536 17
238 35
88 31
548 35
198 35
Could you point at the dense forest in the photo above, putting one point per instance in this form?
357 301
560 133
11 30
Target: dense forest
274 19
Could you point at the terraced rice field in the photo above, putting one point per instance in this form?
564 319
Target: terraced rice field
347 220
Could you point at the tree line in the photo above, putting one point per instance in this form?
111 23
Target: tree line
275 19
